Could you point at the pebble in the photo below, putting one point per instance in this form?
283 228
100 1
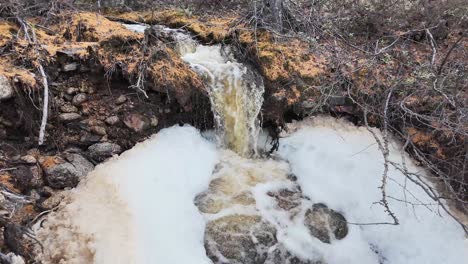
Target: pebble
112 120
79 99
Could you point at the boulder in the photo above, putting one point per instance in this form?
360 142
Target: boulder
325 223
102 151
60 173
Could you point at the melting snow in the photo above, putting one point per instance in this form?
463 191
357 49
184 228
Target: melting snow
340 165
139 207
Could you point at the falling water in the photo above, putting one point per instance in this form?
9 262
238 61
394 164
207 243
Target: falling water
236 93
236 96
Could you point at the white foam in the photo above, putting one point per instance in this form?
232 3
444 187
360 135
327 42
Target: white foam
138 208
340 165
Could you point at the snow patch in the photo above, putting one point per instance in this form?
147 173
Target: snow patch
137 208
340 165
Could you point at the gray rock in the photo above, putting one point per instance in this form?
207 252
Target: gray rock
67 108
98 130
79 99
70 67
121 99
6 89
67 117
324 223
112 120
137 122
67 173
102 151
89 138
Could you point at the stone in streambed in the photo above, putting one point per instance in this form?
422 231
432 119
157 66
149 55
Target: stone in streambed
102 151
325 223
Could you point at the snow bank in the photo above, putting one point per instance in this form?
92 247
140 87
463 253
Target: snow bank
340 165
137 208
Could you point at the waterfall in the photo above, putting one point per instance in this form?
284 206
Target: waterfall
236 95
235 91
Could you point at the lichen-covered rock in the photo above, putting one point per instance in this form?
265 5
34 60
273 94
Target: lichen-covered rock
325 223
6 90
102 151
60 173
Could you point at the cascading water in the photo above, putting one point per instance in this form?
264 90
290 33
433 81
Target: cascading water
236 95
176 198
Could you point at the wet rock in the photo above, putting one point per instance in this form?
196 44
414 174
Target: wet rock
102 151
287 199
281 255
70 67
325 224
60 174
67 117
67 108
98 130
6 89
112 120
120 100
79 99
137 122
240 239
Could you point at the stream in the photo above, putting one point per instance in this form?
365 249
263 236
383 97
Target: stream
184 196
